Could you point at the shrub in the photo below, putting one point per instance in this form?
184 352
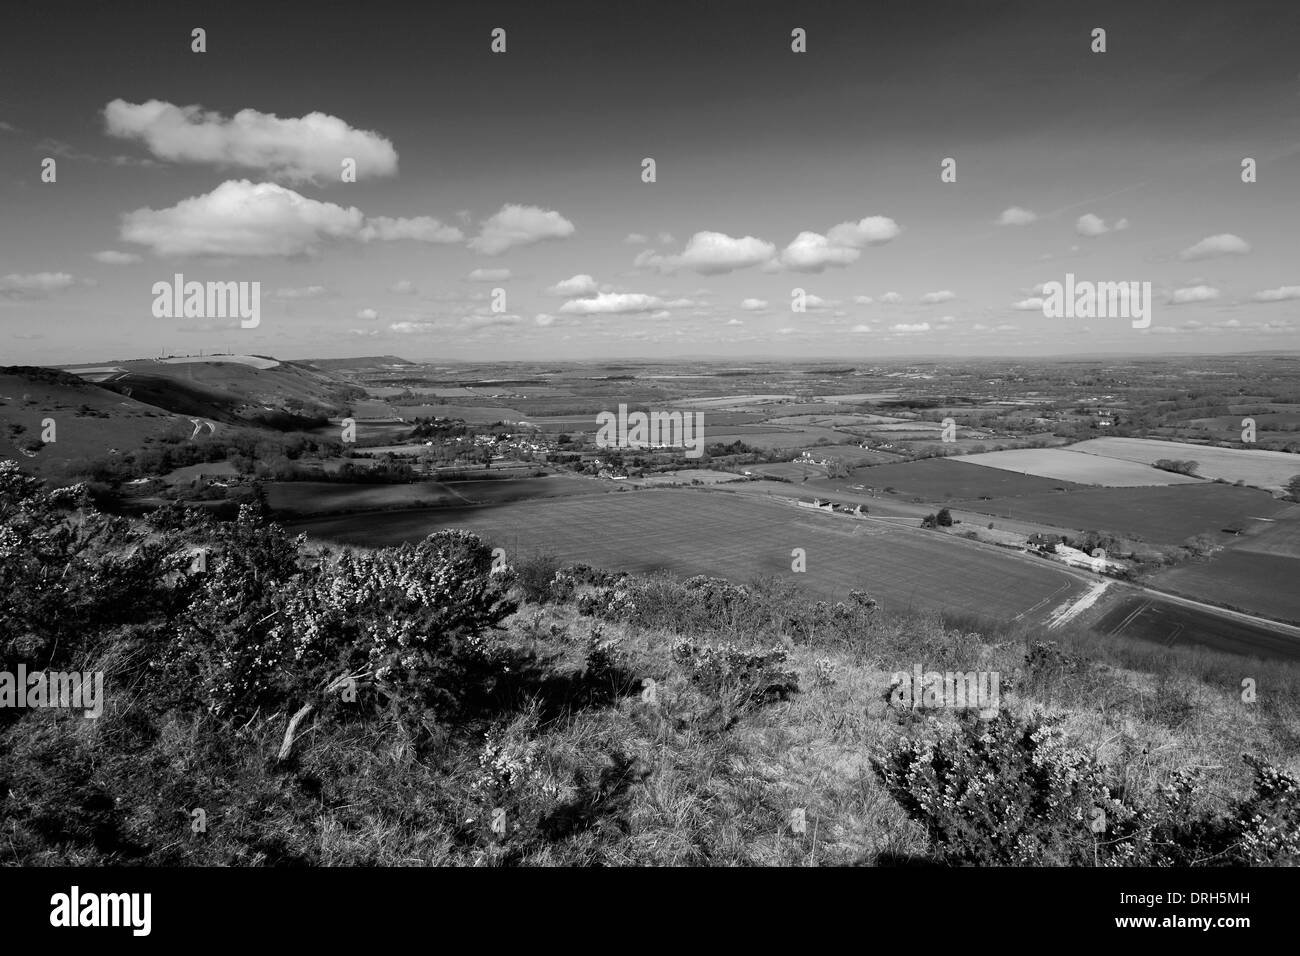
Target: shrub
734 675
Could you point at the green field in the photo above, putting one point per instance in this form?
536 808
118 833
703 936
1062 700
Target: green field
937 479
688 531
1077 464
1161 515
1257 467
1245 580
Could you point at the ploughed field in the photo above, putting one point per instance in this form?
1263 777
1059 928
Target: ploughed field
688 531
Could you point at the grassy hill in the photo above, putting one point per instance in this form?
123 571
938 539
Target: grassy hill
424 705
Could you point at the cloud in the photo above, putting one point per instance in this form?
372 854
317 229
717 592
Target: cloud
1016 216
490 319
419 228
1196 293
111 257
612 303
891 298
308 148
489 275
1091 226
1278 295
35 285
753 305
411 328
842 244
515 225
635 239
735 322
711 253
1224 244
863 299
1032 304
665 238
581 284
905 327
240 218
306 292
934 298
368 314
544 319
860 329
403 287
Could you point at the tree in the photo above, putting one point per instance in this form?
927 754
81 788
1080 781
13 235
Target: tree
944 518
1293 488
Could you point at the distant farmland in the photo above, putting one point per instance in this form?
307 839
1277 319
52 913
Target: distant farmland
699 532
936 479
1162 515
1088 469
1257 467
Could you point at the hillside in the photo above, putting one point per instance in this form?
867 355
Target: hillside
425 704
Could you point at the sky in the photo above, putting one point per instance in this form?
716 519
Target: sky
523 171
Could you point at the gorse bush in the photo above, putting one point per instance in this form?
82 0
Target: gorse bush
1013 791
736 675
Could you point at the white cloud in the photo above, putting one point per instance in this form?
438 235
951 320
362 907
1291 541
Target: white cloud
581 284
111 257
1032 304
490 319
489 275
891 298
34 285
863 299
1091 226
411 328
1016 216
735 322
1278 295
665 238
306 292
915 327
418 228
311 147
711 253
543 319
403 287
1223 244
1196 293
514 225
635 239
614 303
934 298
842 244
368 314
861 329
240 218
753 305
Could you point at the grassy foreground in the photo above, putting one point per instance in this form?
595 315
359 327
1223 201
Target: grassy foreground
271 704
